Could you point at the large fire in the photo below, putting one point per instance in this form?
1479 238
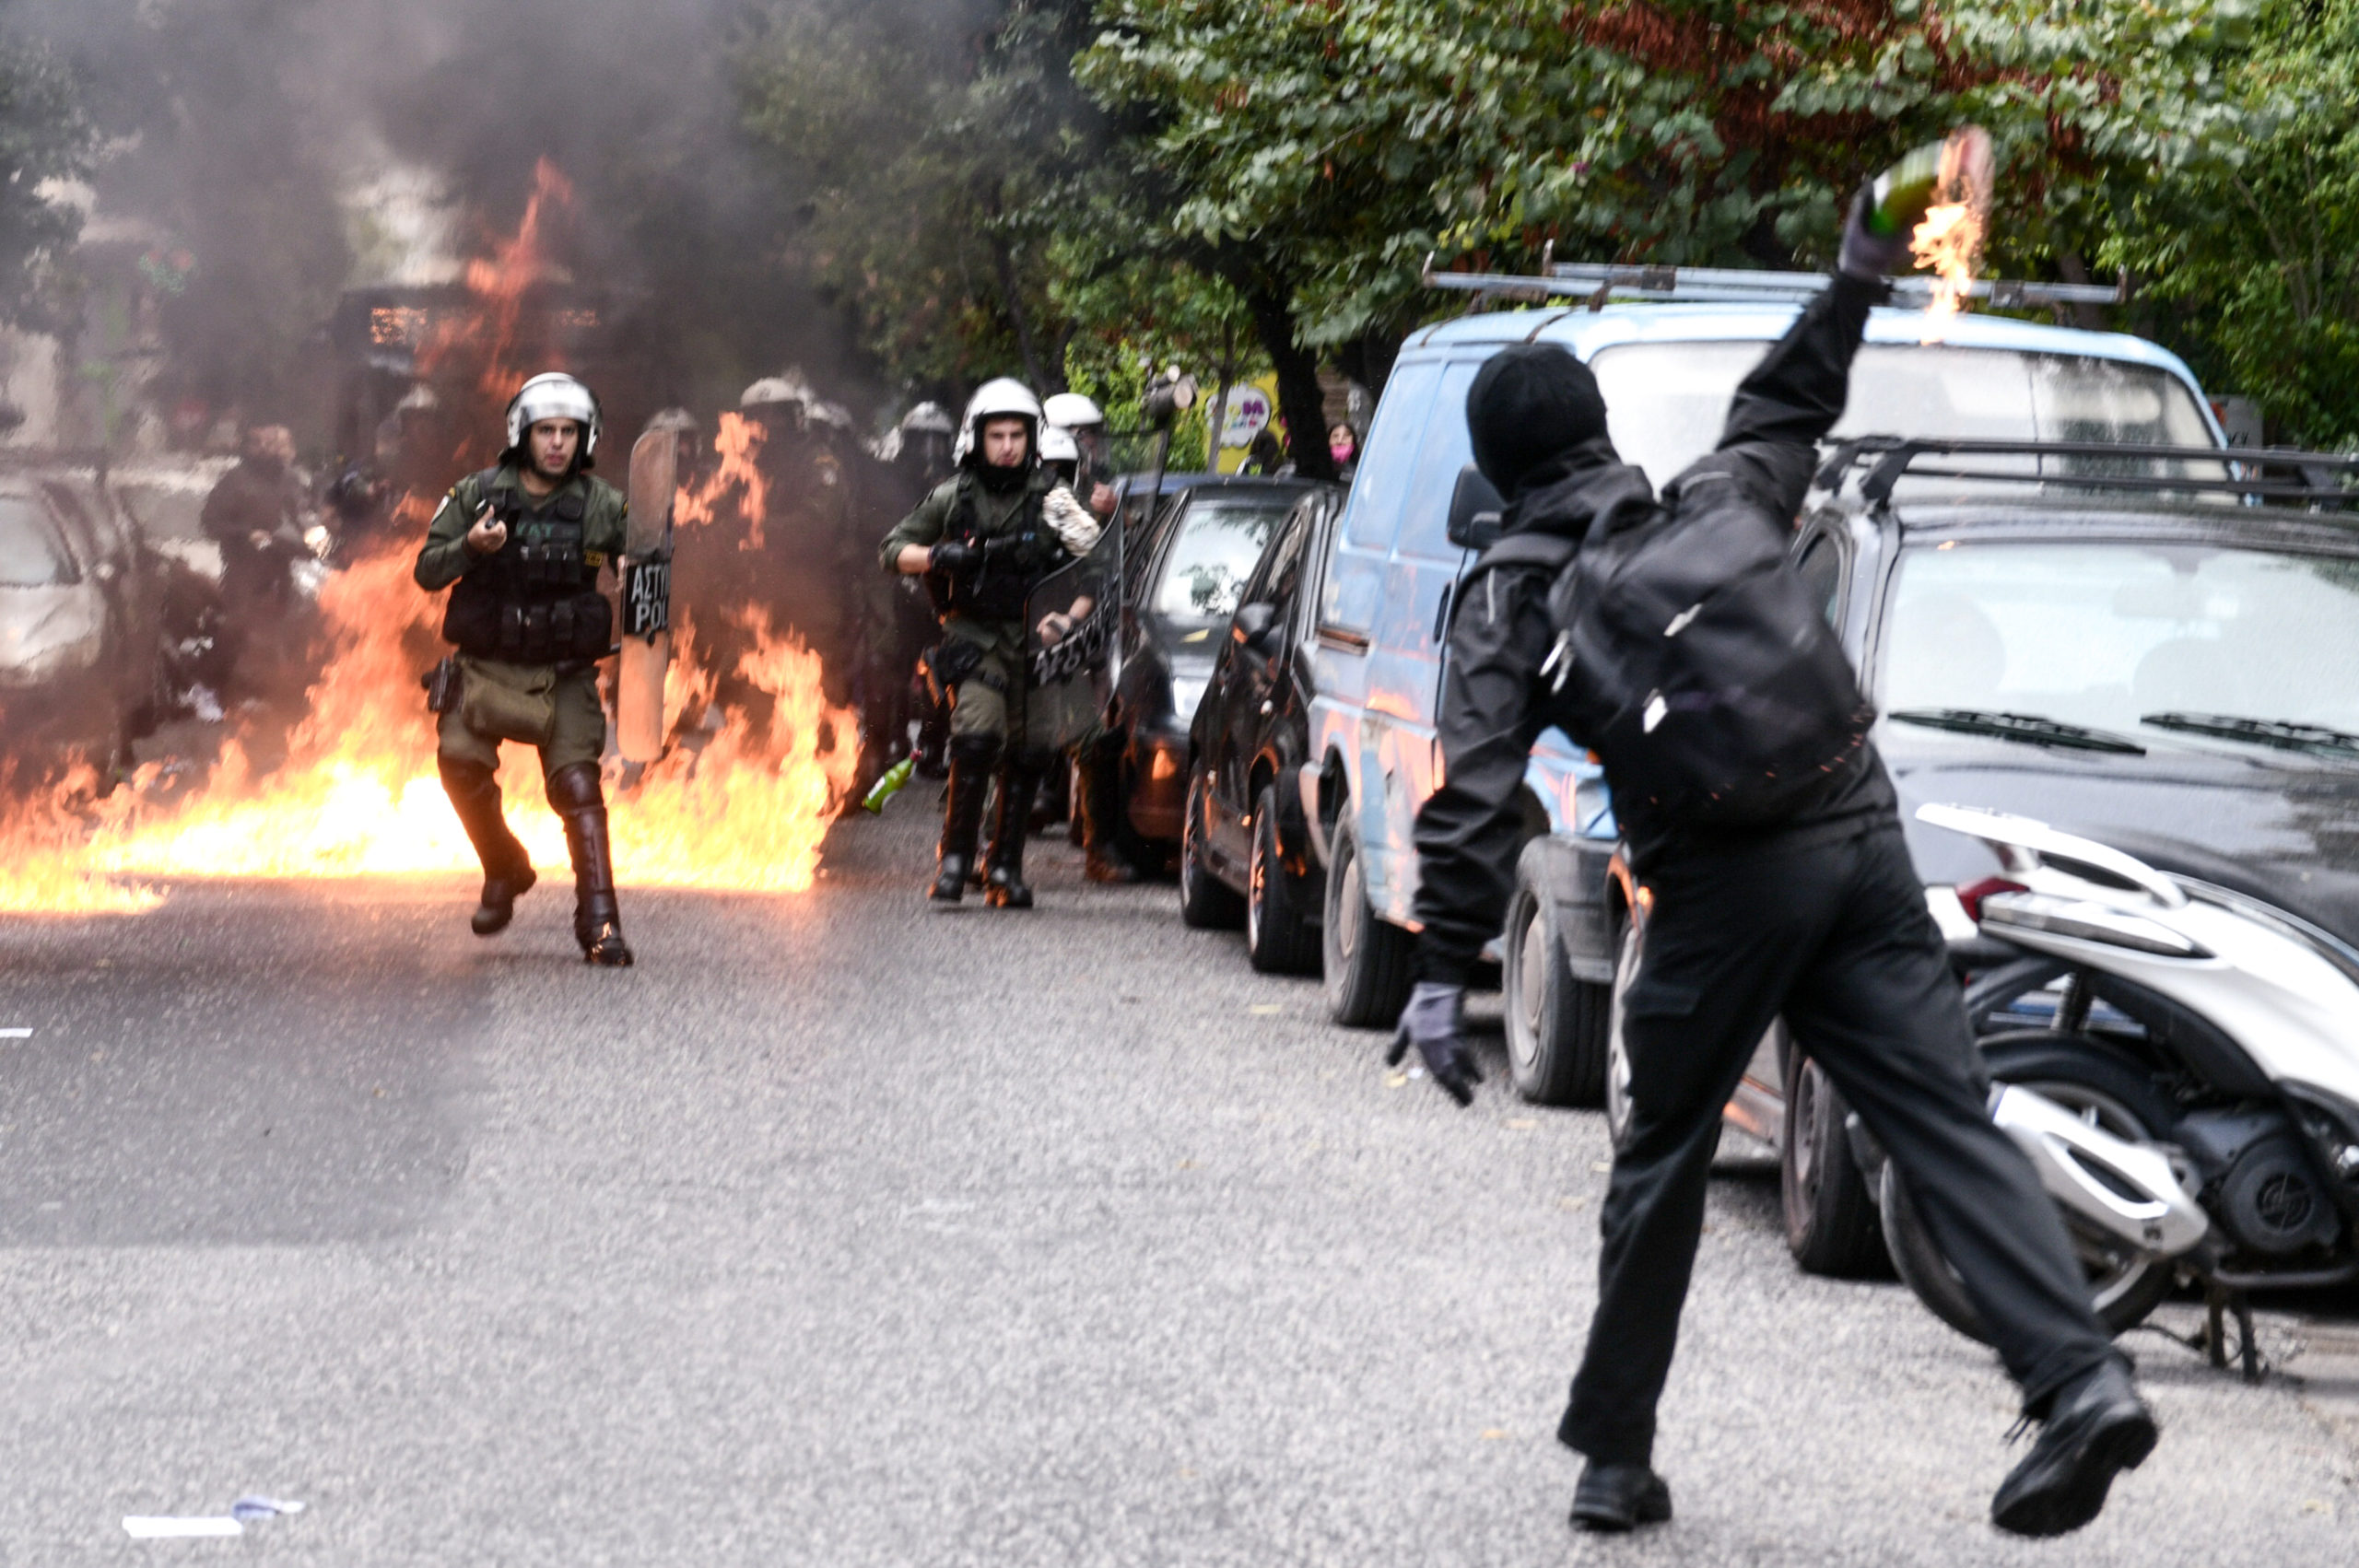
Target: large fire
737 443
357 793
1948 242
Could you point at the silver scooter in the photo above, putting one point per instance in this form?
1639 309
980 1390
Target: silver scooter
2181 1064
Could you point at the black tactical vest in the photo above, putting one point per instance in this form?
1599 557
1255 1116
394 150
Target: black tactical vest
535 601
1014 562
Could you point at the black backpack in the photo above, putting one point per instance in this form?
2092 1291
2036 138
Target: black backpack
1698 666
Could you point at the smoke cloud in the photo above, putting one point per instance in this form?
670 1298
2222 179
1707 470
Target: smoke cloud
290 151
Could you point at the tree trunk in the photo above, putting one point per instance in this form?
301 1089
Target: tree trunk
1300 401
1018 318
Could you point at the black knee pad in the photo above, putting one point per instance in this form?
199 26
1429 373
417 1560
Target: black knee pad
576 789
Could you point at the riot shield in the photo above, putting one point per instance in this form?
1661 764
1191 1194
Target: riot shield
1069 629
647 596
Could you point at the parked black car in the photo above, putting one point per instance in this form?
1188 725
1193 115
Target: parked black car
1245 848
1185 575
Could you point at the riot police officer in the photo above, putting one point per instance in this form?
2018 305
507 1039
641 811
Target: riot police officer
519 546
981 540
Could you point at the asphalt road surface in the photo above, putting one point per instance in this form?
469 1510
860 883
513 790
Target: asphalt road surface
844 1233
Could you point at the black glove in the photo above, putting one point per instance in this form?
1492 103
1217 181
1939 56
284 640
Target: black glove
954 556
1868 255
1433 1022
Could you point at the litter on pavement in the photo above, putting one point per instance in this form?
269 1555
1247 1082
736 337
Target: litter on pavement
246 1510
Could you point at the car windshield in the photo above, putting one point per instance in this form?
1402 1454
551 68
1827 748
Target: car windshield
1666 402
30 554
1219 542
2113 637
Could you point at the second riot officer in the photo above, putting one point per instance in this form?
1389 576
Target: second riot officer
980 541
519 546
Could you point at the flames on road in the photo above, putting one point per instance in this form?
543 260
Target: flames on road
357 793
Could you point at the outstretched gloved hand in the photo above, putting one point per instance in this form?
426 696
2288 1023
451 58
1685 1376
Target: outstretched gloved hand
1434 1022
1867 253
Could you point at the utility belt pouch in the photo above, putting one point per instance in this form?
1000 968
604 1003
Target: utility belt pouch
442 683
948 663
511 704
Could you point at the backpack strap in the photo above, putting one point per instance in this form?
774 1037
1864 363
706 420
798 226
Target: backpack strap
1550 552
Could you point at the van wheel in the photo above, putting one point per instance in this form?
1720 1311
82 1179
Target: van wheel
1279 937
1204 902
1365 958
1556 1025
1830 1214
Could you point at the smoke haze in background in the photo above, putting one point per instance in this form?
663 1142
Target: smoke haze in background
294 148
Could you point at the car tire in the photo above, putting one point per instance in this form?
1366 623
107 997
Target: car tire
1556 1023
1627 950
1830 1212
1205 903
1280 938
1365 958
2082 1078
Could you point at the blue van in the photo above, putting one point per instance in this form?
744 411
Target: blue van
1667 371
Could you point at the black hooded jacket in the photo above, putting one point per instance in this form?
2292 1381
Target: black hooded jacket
1762 465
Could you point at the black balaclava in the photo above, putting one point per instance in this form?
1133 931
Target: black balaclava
1530 408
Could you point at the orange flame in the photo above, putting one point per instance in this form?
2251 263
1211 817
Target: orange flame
360 793
488 336
737 440
1948 242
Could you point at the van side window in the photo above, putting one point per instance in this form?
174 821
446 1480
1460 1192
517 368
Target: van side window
1820 566
1382 482
1424 522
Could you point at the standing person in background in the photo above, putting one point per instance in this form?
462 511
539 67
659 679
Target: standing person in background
258 515
1817 916
1343 445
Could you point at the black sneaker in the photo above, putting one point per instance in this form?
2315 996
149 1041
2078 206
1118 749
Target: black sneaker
2096 1429
1614 1498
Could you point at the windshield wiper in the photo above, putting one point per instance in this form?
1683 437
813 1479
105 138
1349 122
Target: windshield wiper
2030 728
2280 732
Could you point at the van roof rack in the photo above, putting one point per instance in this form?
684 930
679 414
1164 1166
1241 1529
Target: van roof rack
2323 480
1599 282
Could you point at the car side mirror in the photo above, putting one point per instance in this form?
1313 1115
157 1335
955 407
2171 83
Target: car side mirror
1251 624
1476 512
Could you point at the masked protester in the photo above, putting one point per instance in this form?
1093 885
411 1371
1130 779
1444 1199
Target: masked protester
1343 445
980 541
258 515
1819 916
520 546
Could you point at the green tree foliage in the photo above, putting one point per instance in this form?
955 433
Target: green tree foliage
936 154
2252 258
1355 135
45 135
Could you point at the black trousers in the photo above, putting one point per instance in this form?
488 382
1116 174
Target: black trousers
1836 937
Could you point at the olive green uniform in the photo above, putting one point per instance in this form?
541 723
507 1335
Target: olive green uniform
988 701
578 734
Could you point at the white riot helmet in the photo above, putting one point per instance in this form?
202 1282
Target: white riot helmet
1058 446
554 395
790 388
927 419
1003 398
1070 410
